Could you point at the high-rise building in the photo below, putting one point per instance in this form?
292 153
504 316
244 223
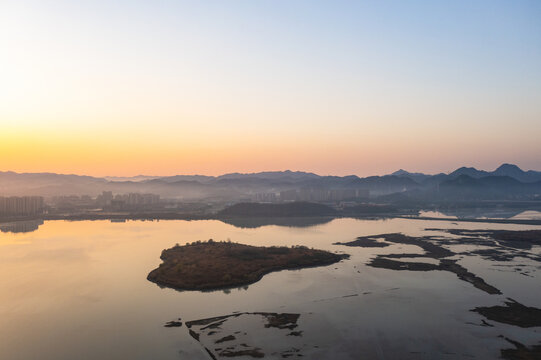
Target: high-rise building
21 205
105 198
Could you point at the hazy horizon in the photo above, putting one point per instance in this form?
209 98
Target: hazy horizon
447 171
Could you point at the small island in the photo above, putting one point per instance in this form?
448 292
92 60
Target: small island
215 265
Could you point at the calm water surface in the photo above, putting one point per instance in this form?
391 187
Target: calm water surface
489 213
78 290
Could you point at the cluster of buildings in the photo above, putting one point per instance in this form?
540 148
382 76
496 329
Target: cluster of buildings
131 201
71 202
21 205
313 195
106 201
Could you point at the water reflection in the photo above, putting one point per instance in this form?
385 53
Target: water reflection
254 223
21 226
528 215
79 290
225 291
228 291
484 213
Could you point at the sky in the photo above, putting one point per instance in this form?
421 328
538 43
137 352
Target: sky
211 87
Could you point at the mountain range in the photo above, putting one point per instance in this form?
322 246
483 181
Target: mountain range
508 180
510 170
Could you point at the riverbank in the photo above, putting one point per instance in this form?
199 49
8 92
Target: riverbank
264 220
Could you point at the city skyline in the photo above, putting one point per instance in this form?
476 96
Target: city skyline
362 88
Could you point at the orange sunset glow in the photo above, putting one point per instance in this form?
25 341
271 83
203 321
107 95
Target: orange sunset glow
240 93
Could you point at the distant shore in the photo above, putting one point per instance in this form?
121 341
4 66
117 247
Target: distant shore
229 219
490 221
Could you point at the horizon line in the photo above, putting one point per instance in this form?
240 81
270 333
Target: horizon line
256 172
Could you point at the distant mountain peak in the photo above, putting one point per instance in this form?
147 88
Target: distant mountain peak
400 172
463 168
515 172
508 167
470 171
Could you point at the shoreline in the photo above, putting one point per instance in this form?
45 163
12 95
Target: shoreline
190 217
490 221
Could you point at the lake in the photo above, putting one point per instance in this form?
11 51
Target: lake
78 290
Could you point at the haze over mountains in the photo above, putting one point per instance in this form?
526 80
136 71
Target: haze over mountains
510 170
507 181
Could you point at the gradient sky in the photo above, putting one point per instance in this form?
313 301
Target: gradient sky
209 87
